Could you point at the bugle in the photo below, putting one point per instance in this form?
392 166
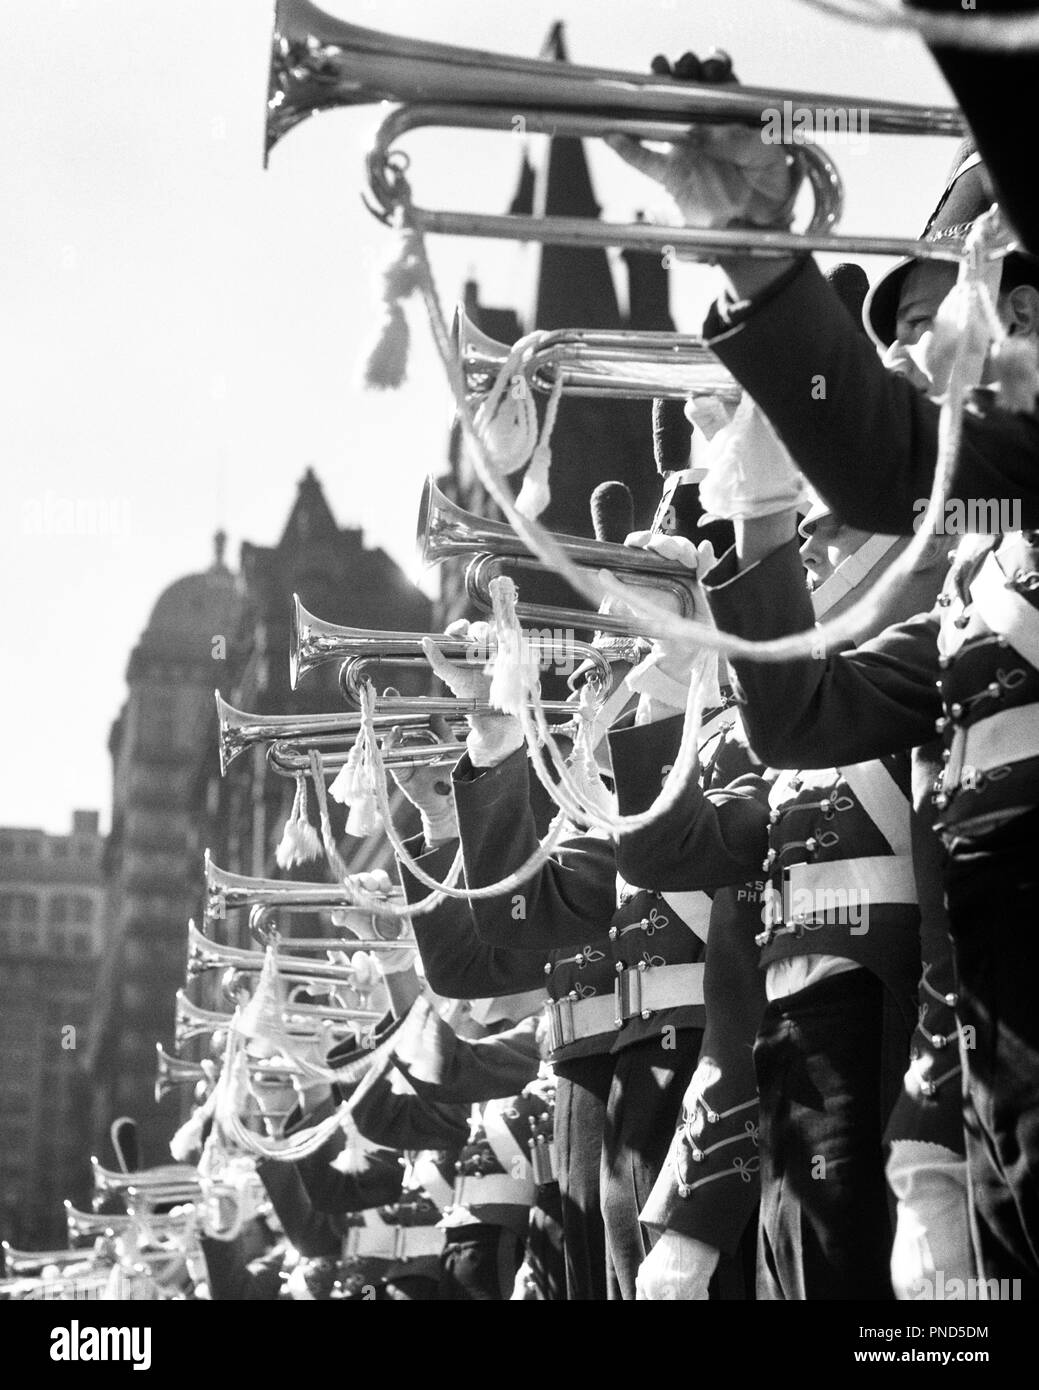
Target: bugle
617 362
319 62
447 531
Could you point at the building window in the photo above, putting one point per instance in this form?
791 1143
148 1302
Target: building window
59 849
82 910
5 939
80 943
85 850
19 909
58 912
31 849
56 942
26 939
8 845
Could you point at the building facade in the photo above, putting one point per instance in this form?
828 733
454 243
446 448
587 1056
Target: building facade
52 927
231 632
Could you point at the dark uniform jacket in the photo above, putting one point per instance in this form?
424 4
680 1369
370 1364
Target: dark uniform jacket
850 709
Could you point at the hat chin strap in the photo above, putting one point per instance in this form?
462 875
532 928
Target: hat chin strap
850 573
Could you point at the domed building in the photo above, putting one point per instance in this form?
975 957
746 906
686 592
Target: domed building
214 630
150 876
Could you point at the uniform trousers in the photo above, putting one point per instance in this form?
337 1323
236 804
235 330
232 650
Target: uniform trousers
582 1090
992 883
642 1111
821 1059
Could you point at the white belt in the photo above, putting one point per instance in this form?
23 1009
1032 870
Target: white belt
387 1242
1011 736
875 878
871 881
494 1190
641 992
570 1020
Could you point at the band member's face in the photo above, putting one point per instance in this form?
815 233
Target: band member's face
914 353
828 543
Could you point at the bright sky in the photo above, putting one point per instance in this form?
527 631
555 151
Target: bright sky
180 331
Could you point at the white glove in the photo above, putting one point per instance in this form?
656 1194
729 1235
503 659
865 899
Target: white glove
933 1230
749 472
677 1268
492 737
664 677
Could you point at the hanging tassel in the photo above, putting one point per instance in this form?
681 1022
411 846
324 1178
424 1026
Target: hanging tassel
514 667
587 782
536 494
1016 366
508 429
353 788
188 1140
346 786
387 362
299 841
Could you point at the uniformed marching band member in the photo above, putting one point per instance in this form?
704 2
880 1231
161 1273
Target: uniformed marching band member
579 1032
491 1079
870 444
654 946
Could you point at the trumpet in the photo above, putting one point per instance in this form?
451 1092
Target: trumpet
226 892
204 954
447 531
171 1072
615 362
238 730
192 1022
360 649
167 1178
31 1263
319 62
92 1225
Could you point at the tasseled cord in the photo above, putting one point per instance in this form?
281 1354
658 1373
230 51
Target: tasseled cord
353 787
387 362
514 665
536 493
299 841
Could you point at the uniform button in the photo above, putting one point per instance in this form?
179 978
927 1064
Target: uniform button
773 816
941 801
956 711
940 725
1001 641
642 965
573 995
944 662
952 1000
946 755
647 1013
928 1088
645 923
937 1040
619 966
944 600
995 690
548 968
811 844
697 1155
613 933
683 1190
962 620
712 1116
